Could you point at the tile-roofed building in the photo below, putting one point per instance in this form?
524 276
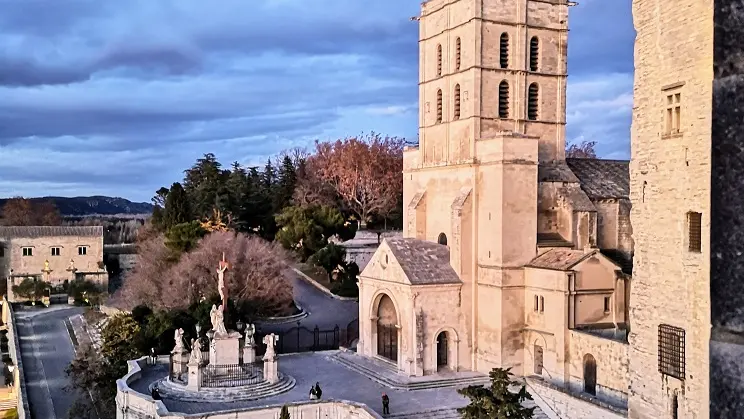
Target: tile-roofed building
44 231
562 259
424 262
602 179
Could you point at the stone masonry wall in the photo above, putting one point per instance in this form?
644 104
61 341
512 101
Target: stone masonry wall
670 176
612 366
563 404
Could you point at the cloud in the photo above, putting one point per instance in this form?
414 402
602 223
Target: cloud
119 98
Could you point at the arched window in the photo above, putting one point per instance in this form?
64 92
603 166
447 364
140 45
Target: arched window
504 50
590 375
458 53
439 60
533 97
504 99
439 106
534 53
457 101
442 239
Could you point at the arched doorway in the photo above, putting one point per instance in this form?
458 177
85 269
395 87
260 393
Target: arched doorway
590 375
442 350
387 330
538 360
442 239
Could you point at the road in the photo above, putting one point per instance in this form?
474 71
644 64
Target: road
46 350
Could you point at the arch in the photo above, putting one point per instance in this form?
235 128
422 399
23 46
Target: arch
504 99
439 106
539 359
458 53
442 239
534 53
533 100
442 349
590 374
453 352
439 59
457 101
386 324
504 50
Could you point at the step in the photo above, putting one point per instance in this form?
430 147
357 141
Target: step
427 414
261 390
390 382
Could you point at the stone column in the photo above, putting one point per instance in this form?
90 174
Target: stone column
195 376
249 353
271 370
727 214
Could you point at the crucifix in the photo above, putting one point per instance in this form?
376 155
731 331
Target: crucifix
221 280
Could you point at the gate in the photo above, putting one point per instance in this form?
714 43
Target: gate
301 339
387 342
178 370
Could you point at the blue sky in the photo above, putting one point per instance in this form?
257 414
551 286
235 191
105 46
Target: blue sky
119 97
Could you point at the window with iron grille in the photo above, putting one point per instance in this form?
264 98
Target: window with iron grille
439 106
457 101
458 53
504 50
504 99
533 95
534 53
439 60
694 229
672 351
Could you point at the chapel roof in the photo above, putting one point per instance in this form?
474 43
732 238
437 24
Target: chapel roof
49 231
602 179
560 259
423 262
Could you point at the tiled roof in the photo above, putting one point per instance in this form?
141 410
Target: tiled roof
602 179
423 262
559 259
50 231
555 172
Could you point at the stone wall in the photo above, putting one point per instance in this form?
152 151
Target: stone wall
612 366
564 404
134 405
24 412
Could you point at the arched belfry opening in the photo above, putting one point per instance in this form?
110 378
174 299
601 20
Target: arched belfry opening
442 239
442 350
590 375
387 329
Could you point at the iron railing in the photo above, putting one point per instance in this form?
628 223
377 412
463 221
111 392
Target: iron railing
231 375
302 339
178 370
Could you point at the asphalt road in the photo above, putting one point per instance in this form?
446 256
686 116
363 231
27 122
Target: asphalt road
46 350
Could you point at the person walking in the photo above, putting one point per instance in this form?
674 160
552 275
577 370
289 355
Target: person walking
313 394
318 391
385 404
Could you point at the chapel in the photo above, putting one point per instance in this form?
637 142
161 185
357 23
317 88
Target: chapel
508 247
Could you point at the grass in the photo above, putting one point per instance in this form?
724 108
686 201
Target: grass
318 274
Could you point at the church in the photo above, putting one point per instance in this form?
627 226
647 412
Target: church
512 255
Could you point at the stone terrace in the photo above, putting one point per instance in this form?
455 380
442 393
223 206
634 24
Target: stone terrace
337 382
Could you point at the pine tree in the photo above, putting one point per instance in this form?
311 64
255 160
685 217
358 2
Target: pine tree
284 413
497 402
202 184
286 183
177 208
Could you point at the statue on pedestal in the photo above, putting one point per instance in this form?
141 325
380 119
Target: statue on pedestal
72 267
250 330
221 288
196 355
218 320
270 341
178 349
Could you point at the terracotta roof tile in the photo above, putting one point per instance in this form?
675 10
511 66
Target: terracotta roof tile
602 179
50 231
423 262
559 259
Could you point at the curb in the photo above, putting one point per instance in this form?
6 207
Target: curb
322 288
287 319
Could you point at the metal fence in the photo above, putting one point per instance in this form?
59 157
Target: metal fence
302 339
178 370
231 375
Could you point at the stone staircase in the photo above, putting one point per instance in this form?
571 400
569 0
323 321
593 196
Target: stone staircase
385 374
427 414
263 389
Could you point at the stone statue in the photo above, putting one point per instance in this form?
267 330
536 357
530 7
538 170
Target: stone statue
178 349
218 320
221 279
250 330
196 355
270 341
72 266
46 266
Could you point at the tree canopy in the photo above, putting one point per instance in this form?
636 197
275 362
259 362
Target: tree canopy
497 401
20 211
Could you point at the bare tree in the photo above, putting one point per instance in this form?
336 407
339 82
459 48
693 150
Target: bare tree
583 150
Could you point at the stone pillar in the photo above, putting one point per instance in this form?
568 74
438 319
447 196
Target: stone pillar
180 361
249 353
726 390
195 376
271 370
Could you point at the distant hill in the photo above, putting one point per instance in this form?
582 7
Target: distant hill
94 205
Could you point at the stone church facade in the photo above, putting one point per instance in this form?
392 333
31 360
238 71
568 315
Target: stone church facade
512 255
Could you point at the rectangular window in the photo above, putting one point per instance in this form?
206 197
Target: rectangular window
673 114
694 230
537 303
27 251
82 250
542 304
2 252
607 304
55 251
672 351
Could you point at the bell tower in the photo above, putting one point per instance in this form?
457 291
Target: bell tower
488 66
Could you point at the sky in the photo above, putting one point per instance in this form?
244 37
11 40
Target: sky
117 98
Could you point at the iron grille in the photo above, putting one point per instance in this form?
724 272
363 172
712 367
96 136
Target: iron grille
534 54
231 375
439 106
458 53
504 99
532 108
672 351
504 50
457 101
694 226
439 60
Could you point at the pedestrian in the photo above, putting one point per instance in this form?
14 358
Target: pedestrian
385 404
313 394
155 393
318 391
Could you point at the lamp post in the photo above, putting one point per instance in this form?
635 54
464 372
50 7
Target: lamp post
240 326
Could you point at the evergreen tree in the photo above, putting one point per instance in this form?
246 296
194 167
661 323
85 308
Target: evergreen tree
177 207
202 183
284 414
497 402
286 183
